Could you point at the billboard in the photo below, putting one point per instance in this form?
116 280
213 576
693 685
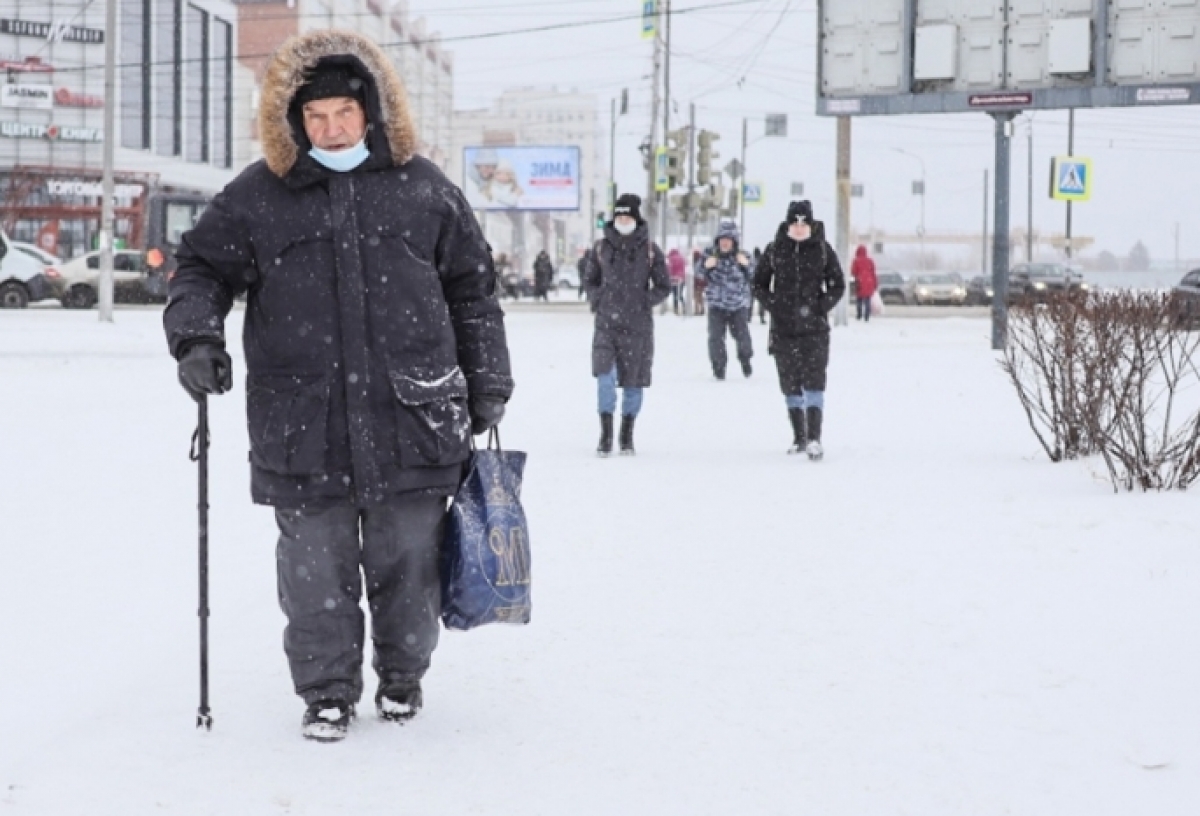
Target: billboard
880 57
530 177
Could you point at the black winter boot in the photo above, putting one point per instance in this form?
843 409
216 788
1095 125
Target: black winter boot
327 721
799 433
813 420
606 435
747 369
627 436
399 702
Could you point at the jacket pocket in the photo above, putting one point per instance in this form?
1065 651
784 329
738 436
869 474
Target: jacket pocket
432 423
288 418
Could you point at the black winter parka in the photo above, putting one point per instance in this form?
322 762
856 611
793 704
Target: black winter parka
371 311
799 283
625 277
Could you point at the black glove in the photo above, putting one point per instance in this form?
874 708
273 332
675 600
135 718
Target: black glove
486 413
205 368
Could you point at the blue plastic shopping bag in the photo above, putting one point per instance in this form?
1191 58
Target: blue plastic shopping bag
485 565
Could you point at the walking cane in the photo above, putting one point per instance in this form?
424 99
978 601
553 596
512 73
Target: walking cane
199 455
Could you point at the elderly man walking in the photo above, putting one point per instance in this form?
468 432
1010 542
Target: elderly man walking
374 346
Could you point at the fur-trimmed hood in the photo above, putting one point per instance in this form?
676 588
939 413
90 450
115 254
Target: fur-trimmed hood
387 101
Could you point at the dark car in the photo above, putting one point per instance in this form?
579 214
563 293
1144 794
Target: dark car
893 288
1040 280
1185 301
980 291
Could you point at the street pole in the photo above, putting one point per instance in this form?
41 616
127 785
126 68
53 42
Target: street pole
843 205
1029 222
651 193
664 207
1000 237
1178 270
612 158
1070 152
984 250
105 300
689 278
742 184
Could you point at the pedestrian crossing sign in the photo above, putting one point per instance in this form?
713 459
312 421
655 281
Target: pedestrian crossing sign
1071 179
753 194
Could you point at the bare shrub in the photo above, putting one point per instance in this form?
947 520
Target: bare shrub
1111 374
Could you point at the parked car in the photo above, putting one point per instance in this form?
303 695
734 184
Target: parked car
1039 280
939 289
34 251
979 291
894 289
81 278
1186 301
567 277
24 279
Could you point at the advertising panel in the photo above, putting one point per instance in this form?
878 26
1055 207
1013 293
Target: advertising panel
522 178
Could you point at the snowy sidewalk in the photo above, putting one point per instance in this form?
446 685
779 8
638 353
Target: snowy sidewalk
932 621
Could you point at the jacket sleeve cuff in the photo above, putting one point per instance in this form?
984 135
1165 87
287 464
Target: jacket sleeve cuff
490 385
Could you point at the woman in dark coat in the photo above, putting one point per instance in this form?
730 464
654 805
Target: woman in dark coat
543 276
626 277
799 281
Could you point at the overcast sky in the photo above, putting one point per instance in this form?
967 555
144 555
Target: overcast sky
759 57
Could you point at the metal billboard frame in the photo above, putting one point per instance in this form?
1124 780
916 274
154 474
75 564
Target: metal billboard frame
1002 103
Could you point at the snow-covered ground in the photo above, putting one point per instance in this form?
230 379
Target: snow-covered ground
933 621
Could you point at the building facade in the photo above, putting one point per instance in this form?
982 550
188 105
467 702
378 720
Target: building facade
425 68
538 116
176 84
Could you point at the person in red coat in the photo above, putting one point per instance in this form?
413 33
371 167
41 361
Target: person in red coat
866 282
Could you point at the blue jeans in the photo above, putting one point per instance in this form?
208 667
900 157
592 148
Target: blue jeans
808 399
631 402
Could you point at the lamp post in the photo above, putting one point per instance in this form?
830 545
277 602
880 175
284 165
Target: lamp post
924 188
612 146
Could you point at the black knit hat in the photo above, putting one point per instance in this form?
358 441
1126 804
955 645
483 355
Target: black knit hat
800 211
328 81
630 205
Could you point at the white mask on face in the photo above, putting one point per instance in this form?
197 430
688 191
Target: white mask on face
625 228
799 231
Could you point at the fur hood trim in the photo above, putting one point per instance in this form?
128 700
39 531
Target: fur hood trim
286 73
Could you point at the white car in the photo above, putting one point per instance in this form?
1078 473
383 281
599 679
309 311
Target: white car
81 278
567 277
24 279
933 289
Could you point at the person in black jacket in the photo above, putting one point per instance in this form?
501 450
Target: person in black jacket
375 347
543 276
799 281
626 277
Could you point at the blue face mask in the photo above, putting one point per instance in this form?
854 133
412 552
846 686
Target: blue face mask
342 161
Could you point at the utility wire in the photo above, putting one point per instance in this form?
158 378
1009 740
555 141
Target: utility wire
485 35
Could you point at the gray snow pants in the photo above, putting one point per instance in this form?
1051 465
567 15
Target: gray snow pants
737 323
321 557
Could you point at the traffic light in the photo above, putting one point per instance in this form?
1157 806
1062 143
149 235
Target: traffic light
705 156
676 149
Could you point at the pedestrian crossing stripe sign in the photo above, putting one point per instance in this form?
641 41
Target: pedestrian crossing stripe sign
1071 179
649 19
753 194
